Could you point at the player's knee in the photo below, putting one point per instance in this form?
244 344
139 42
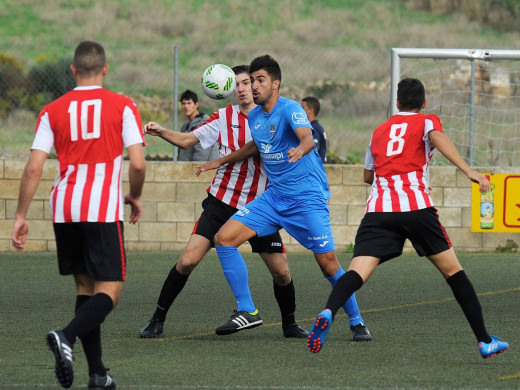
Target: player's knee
187 264
328 263
221 240
281 274
281 279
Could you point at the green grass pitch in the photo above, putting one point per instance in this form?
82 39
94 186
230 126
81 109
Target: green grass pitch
420 338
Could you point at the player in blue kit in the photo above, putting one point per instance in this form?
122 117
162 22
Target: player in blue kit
295 199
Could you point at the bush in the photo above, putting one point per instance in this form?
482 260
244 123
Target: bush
12 83
54 78
510 247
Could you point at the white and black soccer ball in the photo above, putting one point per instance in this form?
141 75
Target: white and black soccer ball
218 81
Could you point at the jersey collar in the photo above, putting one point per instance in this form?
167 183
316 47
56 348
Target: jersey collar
87 87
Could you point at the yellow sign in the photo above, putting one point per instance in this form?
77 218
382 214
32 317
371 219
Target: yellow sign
497 210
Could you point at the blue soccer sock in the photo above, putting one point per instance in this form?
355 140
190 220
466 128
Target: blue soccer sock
235 271
351 306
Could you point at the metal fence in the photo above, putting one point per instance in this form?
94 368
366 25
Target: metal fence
353 87
476 94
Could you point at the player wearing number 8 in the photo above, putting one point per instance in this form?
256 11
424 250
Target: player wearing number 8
88 127
400 208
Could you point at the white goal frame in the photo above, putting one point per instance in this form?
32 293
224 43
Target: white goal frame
463 54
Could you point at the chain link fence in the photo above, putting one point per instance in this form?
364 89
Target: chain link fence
353 88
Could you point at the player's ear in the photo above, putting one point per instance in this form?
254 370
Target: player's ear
276 84
398 105
423 105
105 69
73 69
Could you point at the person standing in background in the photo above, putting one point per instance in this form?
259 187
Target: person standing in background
190 106
311 106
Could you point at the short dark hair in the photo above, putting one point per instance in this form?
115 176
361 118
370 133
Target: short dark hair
239 69
189 95
89 58
313 103
267 63
410 94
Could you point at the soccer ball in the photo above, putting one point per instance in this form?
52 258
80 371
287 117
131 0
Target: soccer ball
218 81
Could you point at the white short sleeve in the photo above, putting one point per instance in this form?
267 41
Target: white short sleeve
44 138
131 131
208 133
369 158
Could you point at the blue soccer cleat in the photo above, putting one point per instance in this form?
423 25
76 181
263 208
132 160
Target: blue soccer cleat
493 348
319 331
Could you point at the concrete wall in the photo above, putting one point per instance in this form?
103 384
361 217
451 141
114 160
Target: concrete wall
172 199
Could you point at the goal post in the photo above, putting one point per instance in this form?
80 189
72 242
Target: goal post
475 92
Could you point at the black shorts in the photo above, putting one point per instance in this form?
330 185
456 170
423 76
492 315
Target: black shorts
216 213
382 235
92 248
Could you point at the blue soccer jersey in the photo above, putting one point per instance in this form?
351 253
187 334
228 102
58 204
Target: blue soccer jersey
274 135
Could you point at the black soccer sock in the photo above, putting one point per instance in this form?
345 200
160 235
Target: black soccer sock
89 315
286 298
172 287
91 343
347 285
467 299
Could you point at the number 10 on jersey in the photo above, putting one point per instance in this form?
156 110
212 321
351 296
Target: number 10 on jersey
90 129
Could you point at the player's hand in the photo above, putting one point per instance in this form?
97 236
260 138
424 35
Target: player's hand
19 234
153 128
294 154
480 179
207 167
135 206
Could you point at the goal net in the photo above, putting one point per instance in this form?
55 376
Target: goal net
476 93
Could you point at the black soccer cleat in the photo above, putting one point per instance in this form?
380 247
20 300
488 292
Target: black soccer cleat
153 330
240 320
360 332
101 382
62 350
295 331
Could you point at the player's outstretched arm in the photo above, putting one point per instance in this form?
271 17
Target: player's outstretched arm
442 142
136 175
182 140
28 185
304 134
244 152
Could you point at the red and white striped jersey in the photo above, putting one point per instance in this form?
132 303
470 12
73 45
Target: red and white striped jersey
88 127
399 153
236 183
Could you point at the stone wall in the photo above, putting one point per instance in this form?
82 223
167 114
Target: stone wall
172 199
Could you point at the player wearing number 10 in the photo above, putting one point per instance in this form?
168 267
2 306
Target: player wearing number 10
400 208
88 127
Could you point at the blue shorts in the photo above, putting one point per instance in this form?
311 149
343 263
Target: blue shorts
307 220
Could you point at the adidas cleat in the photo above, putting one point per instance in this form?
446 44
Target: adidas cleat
153 330
360 333
295 331
62 350
240 320
493 348
319 331
101 382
